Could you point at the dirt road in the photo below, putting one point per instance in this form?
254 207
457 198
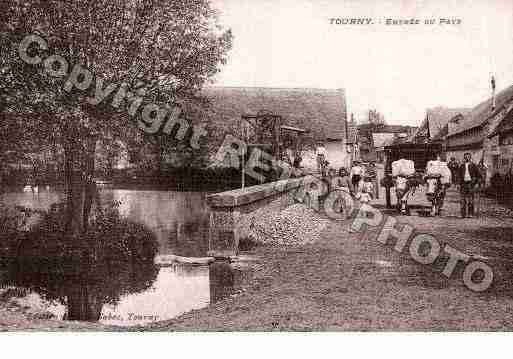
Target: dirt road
346 281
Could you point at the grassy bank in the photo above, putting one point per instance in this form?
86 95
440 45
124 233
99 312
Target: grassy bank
349 281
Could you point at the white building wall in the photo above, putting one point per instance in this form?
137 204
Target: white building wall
337 156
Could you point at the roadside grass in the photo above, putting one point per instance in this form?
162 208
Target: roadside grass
349 281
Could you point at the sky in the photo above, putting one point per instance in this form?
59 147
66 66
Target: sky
400 70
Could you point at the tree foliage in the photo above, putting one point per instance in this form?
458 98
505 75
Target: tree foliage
164 51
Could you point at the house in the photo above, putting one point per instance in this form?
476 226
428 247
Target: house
373 139
500 141
434 127
321 111
380 140
366 150
480 130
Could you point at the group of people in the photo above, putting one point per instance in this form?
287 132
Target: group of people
468 176
360 181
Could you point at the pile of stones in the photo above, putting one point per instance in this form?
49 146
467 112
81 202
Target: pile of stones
295 225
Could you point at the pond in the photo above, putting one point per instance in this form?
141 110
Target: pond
134 295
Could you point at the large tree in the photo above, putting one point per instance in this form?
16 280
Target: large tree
158 51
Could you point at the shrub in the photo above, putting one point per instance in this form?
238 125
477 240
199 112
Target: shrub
114 257
12 224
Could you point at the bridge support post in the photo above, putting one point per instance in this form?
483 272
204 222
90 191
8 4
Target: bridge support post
224 234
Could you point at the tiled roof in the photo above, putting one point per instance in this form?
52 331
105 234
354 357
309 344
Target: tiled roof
441 134
366 128
321 111
505 125
438 117
482 112
367 131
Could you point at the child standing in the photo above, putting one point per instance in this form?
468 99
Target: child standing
367 190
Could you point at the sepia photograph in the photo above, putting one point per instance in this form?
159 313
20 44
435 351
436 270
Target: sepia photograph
256 166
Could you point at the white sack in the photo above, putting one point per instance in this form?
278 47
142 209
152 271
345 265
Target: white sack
439 168
403 167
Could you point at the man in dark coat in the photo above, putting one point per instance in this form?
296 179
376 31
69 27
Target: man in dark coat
469 177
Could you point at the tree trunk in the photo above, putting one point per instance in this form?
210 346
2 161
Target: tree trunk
70 180
83 303
160 157
80 189
90 190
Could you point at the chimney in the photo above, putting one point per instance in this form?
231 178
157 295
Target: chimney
493 92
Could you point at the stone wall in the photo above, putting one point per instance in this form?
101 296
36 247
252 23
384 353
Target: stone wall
233 212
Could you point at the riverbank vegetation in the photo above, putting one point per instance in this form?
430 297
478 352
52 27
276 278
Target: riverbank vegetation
172 178
84 271
134 43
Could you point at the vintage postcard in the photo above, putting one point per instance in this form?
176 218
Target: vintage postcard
256 165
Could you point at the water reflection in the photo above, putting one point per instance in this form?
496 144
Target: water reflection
179 220
175 291
85 290
164 294
134 292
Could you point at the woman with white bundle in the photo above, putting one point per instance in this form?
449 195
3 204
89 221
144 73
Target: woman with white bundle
402 170
438 178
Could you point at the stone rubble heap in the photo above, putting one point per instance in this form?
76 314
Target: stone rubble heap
295 225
